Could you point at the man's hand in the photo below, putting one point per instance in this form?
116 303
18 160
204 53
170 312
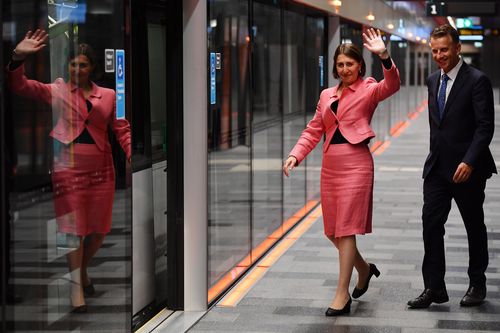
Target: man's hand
463 173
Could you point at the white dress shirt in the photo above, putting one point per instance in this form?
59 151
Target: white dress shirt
452 74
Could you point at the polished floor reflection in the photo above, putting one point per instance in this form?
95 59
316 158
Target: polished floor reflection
40 274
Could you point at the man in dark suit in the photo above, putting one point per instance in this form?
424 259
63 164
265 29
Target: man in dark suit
461 119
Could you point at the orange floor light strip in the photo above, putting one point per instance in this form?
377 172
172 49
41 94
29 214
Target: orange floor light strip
376 145
258 251
382 148
401 129
241 289
396 127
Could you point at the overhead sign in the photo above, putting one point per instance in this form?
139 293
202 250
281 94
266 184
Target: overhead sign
464 23
470 32
435 8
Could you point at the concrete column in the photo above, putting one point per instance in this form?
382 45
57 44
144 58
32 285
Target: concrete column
195 155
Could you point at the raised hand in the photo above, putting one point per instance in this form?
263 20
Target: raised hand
373 41
32 43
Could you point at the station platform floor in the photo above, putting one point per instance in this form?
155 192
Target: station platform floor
295 291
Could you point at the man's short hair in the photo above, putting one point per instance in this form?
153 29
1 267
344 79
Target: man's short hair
445 30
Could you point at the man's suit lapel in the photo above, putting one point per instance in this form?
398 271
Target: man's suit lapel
457 85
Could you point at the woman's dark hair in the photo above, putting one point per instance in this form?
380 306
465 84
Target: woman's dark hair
86 50
83 49
351 51
446 30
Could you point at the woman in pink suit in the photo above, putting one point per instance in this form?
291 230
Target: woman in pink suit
343 116
83 177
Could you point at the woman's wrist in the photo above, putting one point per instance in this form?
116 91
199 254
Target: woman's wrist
384 54
17 57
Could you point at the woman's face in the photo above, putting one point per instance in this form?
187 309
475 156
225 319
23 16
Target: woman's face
347 69
79 70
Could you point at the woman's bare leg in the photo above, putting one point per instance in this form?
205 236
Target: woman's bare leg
362 267
74 259
91 245
347 254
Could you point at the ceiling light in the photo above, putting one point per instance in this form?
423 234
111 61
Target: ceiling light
370 17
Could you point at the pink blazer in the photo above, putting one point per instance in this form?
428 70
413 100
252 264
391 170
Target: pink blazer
68 100
354 113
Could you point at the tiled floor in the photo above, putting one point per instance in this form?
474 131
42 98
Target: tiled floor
293 295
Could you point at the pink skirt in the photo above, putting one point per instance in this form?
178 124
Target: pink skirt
347 190
83 187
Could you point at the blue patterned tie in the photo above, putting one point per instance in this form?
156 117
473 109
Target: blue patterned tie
442 95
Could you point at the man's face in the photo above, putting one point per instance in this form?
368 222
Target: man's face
445 52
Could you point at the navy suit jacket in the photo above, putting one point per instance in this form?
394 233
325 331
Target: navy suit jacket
466 129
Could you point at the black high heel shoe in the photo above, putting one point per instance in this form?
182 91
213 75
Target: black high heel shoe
79 309
89 290
338 312
359 292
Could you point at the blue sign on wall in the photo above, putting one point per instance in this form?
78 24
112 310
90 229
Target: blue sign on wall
212 78
321 71
120 83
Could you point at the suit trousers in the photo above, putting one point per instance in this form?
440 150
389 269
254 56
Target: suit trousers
469 197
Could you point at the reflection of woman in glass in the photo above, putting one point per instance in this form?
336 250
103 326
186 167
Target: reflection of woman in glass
343 116
84 177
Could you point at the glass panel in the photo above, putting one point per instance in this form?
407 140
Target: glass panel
266 61
316 77
157 55
351 32
398 54
267 123
157 85
294 188
229 140
70 198
294 84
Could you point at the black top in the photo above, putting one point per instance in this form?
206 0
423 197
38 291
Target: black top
85 136
338 138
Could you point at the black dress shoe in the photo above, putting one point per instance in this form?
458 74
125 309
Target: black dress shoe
338 312
359 292
428 297
89 290
474 296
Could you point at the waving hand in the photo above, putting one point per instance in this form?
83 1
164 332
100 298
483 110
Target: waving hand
32 43
373 41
